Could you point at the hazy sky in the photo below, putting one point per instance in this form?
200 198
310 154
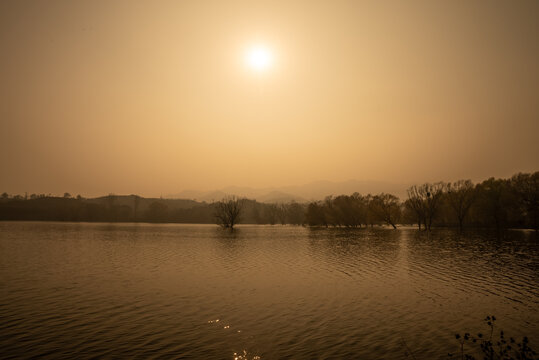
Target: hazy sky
153 97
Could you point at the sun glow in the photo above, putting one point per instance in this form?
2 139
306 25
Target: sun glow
259 58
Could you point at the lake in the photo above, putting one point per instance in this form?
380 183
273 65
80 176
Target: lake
82 290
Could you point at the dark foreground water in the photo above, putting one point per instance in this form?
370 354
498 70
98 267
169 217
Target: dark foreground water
197 292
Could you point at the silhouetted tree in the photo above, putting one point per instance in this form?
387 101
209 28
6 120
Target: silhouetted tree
228 211
434 194
526 187
416 205
296 213
316 215
425 201
347 210
494 202
370 216
330 213
460 197
387 208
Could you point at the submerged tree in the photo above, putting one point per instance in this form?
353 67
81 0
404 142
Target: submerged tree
387 208
424 201
348 210
461 196
351 211
416 206
315 214
228 211
433 193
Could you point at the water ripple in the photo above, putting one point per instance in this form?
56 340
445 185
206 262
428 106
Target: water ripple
155 291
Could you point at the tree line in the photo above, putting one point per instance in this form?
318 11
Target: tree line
498 203
133 208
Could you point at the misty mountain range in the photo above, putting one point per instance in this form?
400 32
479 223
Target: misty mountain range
300 193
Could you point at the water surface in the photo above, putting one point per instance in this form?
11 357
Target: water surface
70 290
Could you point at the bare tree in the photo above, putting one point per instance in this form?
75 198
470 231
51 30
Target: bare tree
228 211
370 215
416 206
461 196
433 194
387 208
348 210
424 201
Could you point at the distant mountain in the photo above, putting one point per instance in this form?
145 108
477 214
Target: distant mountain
300 193
261 195
206 196
279 197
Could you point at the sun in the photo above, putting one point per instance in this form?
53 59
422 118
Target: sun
259 58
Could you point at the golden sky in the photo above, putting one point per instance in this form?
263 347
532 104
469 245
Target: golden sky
153 97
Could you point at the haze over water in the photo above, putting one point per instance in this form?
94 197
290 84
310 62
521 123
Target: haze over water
145 291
